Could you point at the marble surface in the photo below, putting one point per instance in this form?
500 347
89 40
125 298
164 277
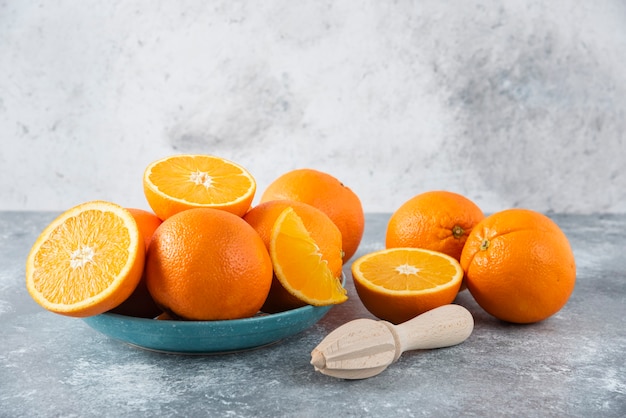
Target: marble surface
571 364
517 103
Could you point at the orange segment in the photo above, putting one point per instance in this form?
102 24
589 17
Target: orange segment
298 263
400 283
181 182
87 261
322 230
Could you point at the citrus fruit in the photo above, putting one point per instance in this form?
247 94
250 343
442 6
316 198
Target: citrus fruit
298 263
329 195
180 182
147 222
87 261
398 284
436 220
208 264
323 232
519 266
140 303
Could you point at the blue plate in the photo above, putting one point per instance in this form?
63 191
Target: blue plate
207 337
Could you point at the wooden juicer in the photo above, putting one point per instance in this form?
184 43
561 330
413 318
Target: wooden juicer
363 348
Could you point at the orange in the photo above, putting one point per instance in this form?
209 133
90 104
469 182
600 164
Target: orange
181 182
398 284
147 222
140 303
519 266
298 263
329 195
323 231
436 220
208 264
87 261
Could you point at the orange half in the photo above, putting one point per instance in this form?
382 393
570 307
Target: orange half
87 261
298 263
398 284
181 182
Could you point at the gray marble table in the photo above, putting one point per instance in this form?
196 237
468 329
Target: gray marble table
572 364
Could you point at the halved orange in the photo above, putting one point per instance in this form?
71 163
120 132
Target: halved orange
181 182
87 261
298 263
398 284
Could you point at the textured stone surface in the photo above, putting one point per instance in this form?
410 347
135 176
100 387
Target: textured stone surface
517 103
571 364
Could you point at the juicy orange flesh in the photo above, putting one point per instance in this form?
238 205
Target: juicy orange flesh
298 263
204 180
408 270
80 260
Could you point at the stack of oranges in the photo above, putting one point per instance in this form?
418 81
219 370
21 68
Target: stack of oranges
205 253
202 253
517 263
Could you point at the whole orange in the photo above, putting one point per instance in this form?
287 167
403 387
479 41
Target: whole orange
140 303
208 264
436 220
147 222
325 192
519 266
323 231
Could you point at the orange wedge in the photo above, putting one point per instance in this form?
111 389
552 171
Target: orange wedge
298 263
181 182
400 283
87 261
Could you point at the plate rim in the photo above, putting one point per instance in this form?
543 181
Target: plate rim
226 332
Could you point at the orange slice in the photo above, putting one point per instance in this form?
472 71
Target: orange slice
298 263
400 283
181 182
87 261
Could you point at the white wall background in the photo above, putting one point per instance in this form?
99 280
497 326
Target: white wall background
517 103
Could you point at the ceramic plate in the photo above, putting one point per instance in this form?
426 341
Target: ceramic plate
207 337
